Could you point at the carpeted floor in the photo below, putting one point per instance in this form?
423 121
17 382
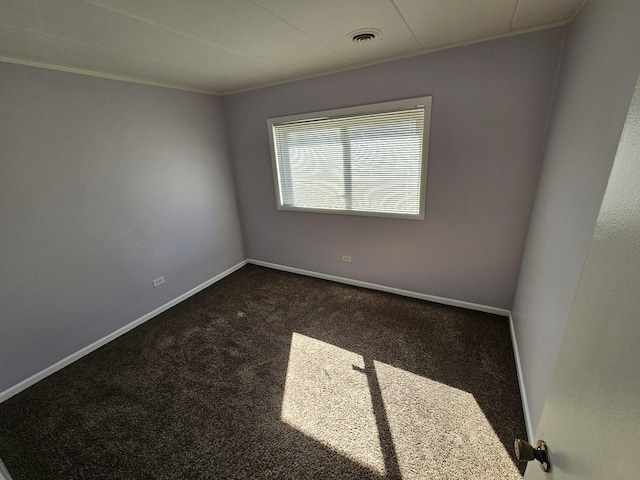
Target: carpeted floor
273 375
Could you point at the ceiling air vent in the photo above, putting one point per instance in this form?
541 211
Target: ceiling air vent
366 35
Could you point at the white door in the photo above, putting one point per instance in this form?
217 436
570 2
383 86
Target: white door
591 418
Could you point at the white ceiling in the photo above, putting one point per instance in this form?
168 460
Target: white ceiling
222 46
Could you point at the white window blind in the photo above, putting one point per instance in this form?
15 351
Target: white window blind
363 160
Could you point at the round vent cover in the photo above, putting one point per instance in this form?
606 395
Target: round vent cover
365 35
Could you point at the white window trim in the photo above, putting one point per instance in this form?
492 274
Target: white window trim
358 110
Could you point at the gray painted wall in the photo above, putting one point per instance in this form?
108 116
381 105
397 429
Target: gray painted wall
602 339
490 107
104 186
599 69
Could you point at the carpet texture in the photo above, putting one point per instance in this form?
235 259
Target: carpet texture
269 374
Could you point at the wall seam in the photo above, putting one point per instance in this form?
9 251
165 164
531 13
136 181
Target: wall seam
543 149
234 174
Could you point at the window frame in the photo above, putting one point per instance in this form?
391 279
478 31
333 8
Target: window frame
383 107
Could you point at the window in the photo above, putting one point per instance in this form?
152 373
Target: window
367 160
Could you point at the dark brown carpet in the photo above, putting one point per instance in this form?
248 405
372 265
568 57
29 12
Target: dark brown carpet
273 375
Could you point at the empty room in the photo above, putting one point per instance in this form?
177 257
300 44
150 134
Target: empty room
329 239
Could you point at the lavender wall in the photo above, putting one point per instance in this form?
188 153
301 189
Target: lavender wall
599 69
490 107
104 186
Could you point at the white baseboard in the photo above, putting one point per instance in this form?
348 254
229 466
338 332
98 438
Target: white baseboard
523 392
383 288
11 391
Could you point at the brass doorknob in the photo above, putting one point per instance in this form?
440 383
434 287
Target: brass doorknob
526 453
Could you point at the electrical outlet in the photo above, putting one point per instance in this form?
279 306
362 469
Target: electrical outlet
158 281
346 258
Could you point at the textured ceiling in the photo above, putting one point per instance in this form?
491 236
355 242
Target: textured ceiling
223 46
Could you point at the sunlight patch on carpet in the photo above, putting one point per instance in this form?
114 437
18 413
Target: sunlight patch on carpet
440 431
436 431
328 400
